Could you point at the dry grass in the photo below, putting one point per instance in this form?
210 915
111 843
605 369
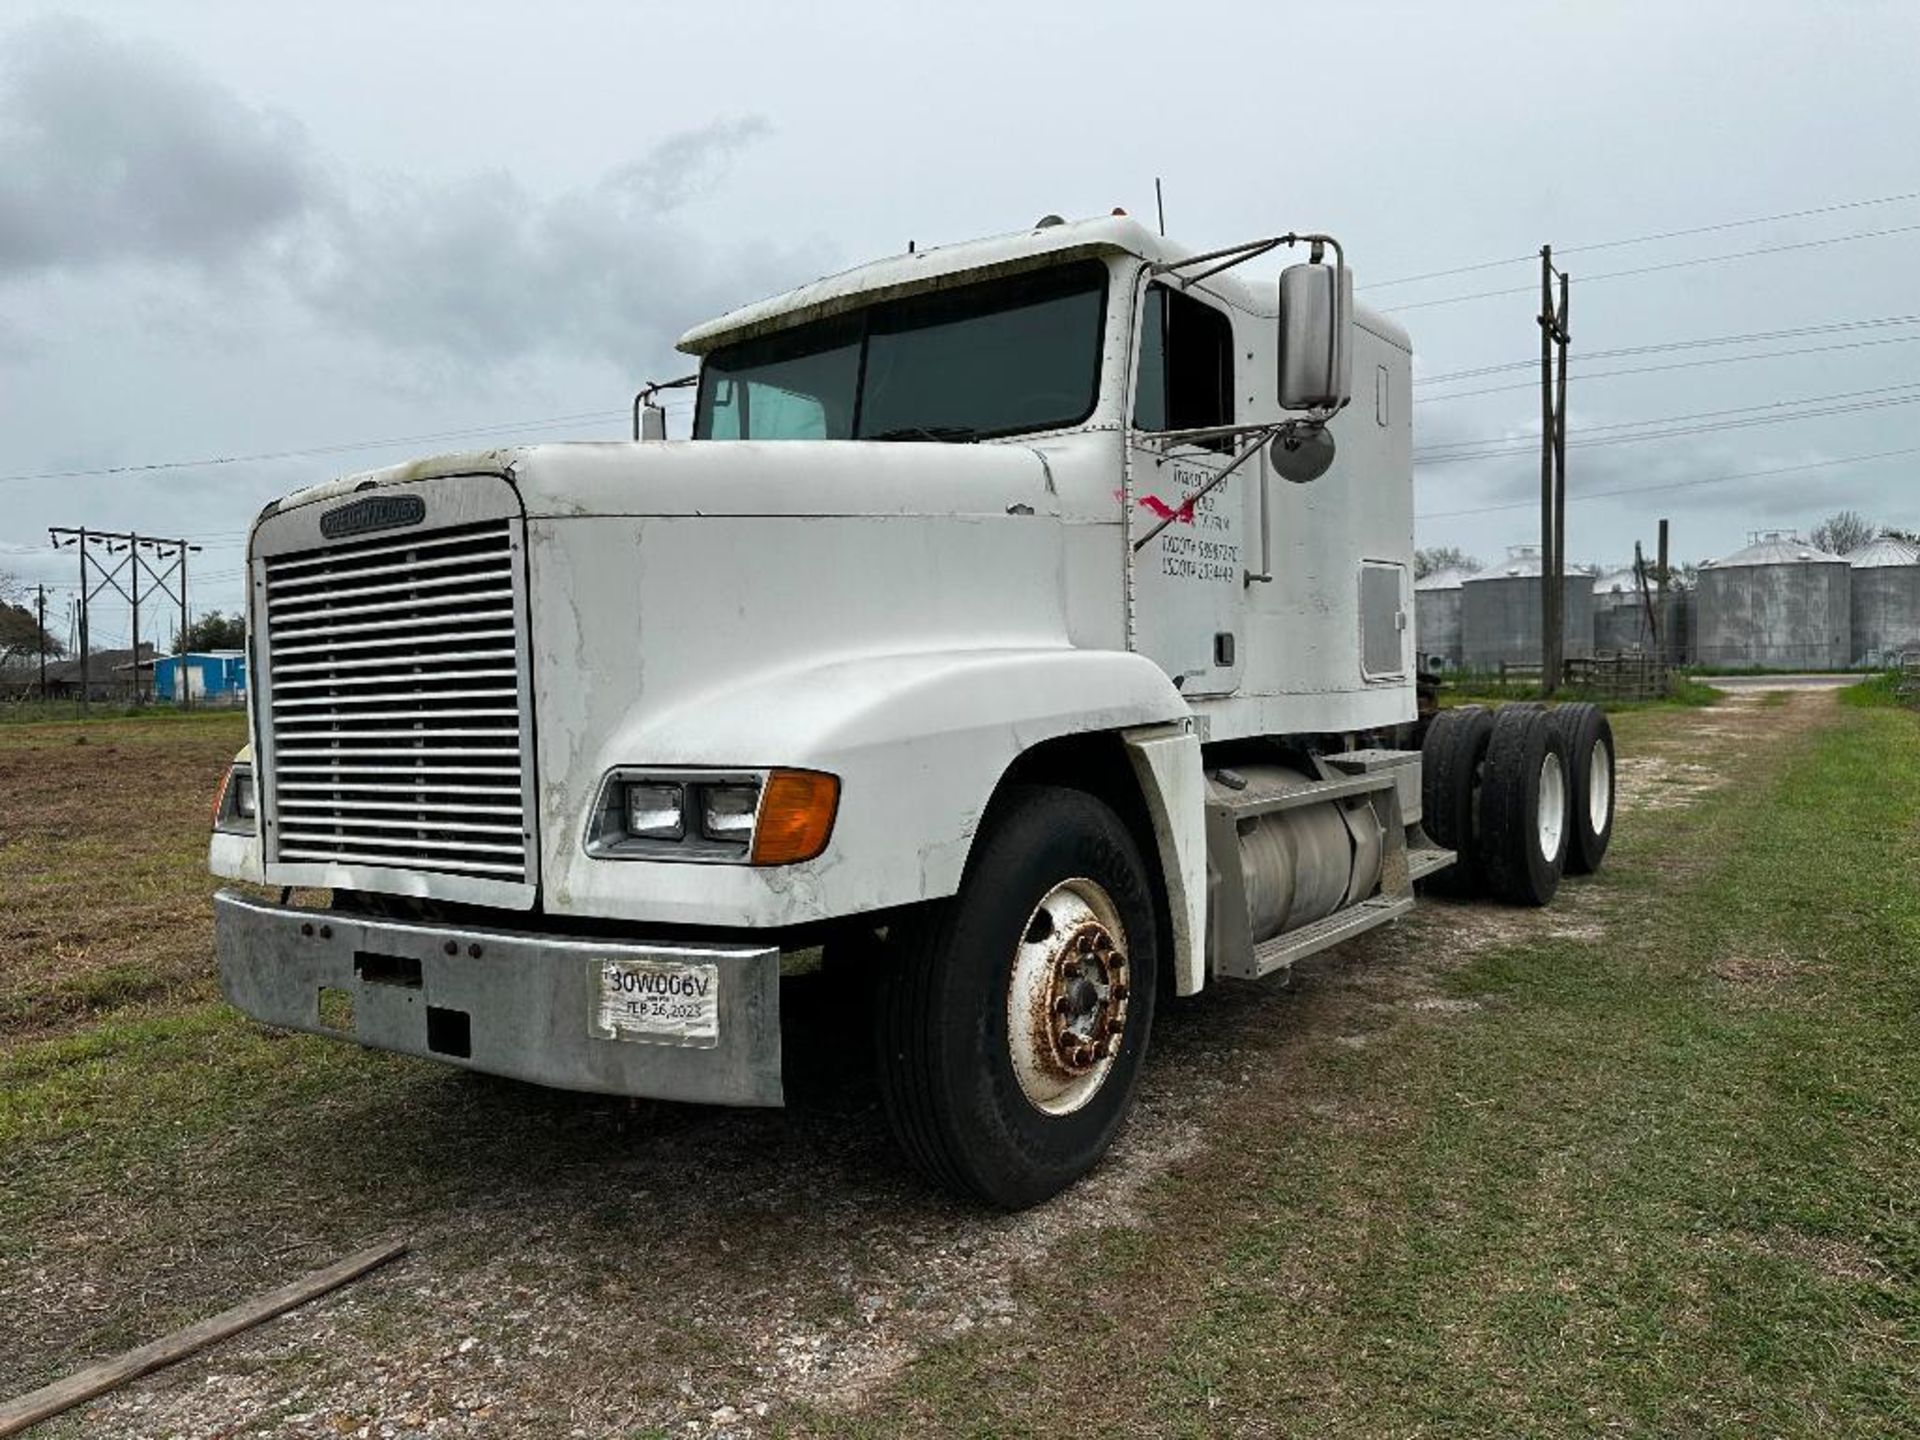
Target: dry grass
103 850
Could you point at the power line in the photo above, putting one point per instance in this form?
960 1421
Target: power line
1678 484
1697 343
1667 265
1677 432
1509 439
1679 365
212 461
1645 239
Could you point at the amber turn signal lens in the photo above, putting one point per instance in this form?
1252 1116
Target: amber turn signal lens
220 796
796 816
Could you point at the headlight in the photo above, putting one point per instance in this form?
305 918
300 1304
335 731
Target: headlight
727 812
654 812
767 817
235 808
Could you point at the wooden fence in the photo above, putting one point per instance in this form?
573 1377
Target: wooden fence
1908 686
1630 676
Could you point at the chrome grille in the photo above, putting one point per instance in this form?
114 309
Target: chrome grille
395 705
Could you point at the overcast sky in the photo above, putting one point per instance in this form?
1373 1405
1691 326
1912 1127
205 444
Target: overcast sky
229 229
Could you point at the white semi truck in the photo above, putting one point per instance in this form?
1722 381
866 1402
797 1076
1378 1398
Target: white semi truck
1026 624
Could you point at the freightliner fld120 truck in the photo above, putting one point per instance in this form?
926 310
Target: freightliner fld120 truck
1024 624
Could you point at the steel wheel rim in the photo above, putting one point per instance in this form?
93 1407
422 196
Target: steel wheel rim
1551 815
1067 996
1599 788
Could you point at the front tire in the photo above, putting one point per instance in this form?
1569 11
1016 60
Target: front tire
1011 1027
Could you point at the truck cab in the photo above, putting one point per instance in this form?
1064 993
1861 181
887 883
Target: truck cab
1027 618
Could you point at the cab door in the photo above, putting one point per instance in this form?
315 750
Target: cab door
1189 578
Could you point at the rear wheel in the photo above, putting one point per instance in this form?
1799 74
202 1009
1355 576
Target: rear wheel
1589 742
1011 1029
1450 759
1524 803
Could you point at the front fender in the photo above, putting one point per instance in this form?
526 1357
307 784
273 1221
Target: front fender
919 742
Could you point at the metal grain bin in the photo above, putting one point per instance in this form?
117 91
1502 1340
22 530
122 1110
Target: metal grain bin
1620 618
1886 600
1436 615
1779 604
1500 613
1619 614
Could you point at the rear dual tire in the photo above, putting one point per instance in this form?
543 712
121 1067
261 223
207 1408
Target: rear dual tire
1524 807
1589 741
1451 757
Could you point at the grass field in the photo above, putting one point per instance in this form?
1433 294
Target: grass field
1647 1162
1665 1180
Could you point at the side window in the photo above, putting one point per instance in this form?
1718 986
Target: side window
1186 364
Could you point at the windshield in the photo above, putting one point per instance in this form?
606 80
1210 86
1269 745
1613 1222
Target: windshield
993 358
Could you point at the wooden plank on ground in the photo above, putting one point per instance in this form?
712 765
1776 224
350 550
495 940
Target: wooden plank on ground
96 1380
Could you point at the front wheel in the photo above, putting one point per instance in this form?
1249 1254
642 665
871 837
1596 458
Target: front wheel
1011 1027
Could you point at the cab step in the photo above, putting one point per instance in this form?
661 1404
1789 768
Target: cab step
1283 949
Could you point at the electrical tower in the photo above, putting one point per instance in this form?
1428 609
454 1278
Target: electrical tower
148 565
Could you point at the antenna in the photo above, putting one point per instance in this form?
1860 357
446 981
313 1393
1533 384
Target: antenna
1160 205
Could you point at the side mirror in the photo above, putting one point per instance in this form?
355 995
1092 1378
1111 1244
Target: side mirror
1316 324
653 423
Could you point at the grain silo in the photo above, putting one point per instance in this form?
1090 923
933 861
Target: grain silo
1436 615
1500 613
1886 600
1619 615
1779 604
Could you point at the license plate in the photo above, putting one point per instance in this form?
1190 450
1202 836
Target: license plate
658 1002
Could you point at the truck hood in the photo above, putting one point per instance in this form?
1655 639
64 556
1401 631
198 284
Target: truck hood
739 477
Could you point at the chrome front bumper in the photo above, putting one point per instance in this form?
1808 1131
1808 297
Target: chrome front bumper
510 1003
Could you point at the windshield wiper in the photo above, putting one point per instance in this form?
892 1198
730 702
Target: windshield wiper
950 434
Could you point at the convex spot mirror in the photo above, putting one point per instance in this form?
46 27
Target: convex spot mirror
1301 454
1316 324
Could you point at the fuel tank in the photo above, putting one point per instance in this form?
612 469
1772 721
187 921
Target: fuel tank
1302 864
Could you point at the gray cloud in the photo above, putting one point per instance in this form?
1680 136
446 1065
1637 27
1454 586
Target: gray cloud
116 153
483 271
112 153
685 165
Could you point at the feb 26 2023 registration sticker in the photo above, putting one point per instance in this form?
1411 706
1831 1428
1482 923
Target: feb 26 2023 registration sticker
657 1002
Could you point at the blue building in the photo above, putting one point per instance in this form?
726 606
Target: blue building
212 677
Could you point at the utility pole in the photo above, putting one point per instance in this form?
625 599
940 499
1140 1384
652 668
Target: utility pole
1553 474
1561 337
78 539
40 607
171 581
133 579
1667 647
